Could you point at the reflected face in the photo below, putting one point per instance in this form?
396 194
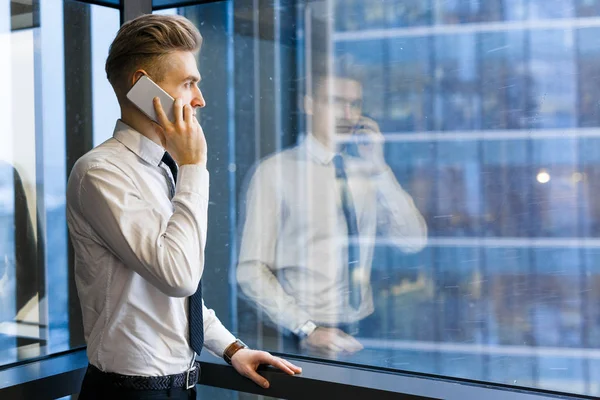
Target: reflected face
182 77
337 105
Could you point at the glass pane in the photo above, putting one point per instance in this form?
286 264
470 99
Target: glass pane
410 87
208 392
34 285
24 14
588 8
355 15
588 55
504 80
108 2
543 9
462 12
552 78
457 235
104 25
457 100
167 3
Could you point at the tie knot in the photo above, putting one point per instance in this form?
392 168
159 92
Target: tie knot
170 162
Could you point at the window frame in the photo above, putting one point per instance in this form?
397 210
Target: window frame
61 375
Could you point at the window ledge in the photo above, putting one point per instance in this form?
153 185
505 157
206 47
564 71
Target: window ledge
61 375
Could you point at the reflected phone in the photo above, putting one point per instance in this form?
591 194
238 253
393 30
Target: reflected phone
142 93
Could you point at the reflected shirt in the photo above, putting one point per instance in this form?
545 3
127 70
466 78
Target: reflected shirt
139 254
293 258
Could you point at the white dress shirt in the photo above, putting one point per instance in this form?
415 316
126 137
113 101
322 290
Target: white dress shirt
293 257
139 254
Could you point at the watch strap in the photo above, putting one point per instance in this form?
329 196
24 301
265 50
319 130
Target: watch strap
232 349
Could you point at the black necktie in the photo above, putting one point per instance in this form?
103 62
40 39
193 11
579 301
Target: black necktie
168 160
195 319
352 227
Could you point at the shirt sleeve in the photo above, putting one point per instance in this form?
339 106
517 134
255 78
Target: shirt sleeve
167 252
397 216
216 336
263 216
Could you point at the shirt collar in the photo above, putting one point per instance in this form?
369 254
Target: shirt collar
139 144
315 148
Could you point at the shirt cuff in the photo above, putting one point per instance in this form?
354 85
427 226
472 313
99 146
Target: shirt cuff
194 179
220 339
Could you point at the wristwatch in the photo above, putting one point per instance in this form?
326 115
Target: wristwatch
305 330
232 349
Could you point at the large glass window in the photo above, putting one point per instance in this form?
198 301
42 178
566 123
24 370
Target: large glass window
44 67
475 238
400 184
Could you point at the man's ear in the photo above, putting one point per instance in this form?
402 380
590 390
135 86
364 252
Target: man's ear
308 105
137 75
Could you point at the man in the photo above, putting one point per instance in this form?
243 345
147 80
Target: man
312 214
137 215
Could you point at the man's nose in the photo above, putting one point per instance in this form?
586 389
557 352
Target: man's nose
347 111
198 100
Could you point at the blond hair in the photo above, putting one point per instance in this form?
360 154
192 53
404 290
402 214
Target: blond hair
143 42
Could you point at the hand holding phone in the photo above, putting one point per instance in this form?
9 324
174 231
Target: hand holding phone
369 142
142 93
184 136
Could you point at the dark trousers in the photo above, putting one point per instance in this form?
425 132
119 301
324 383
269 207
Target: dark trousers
94 387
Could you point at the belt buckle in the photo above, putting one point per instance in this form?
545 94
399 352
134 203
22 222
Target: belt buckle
189 385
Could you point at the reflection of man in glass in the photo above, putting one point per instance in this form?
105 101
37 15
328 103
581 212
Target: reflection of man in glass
312 214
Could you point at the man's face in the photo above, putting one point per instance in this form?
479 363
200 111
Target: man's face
337 105
181 78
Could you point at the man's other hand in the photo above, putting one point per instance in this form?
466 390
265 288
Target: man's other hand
246 362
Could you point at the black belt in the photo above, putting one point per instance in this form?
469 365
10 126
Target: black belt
187 379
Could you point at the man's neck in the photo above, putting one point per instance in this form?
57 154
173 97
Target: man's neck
141 123
325 140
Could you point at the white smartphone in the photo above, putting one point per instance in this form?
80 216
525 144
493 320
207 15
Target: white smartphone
142 93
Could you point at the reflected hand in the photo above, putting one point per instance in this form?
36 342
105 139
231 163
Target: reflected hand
246 362
332 340
370 142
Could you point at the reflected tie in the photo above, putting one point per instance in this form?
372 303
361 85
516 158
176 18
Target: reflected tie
352 227
196 322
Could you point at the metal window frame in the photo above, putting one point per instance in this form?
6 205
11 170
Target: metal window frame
61 375
178 4
103 3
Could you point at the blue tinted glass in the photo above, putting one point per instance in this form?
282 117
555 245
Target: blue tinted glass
544 9
35 306
167 3
474 198
489 126
588 8
553 88
504 79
